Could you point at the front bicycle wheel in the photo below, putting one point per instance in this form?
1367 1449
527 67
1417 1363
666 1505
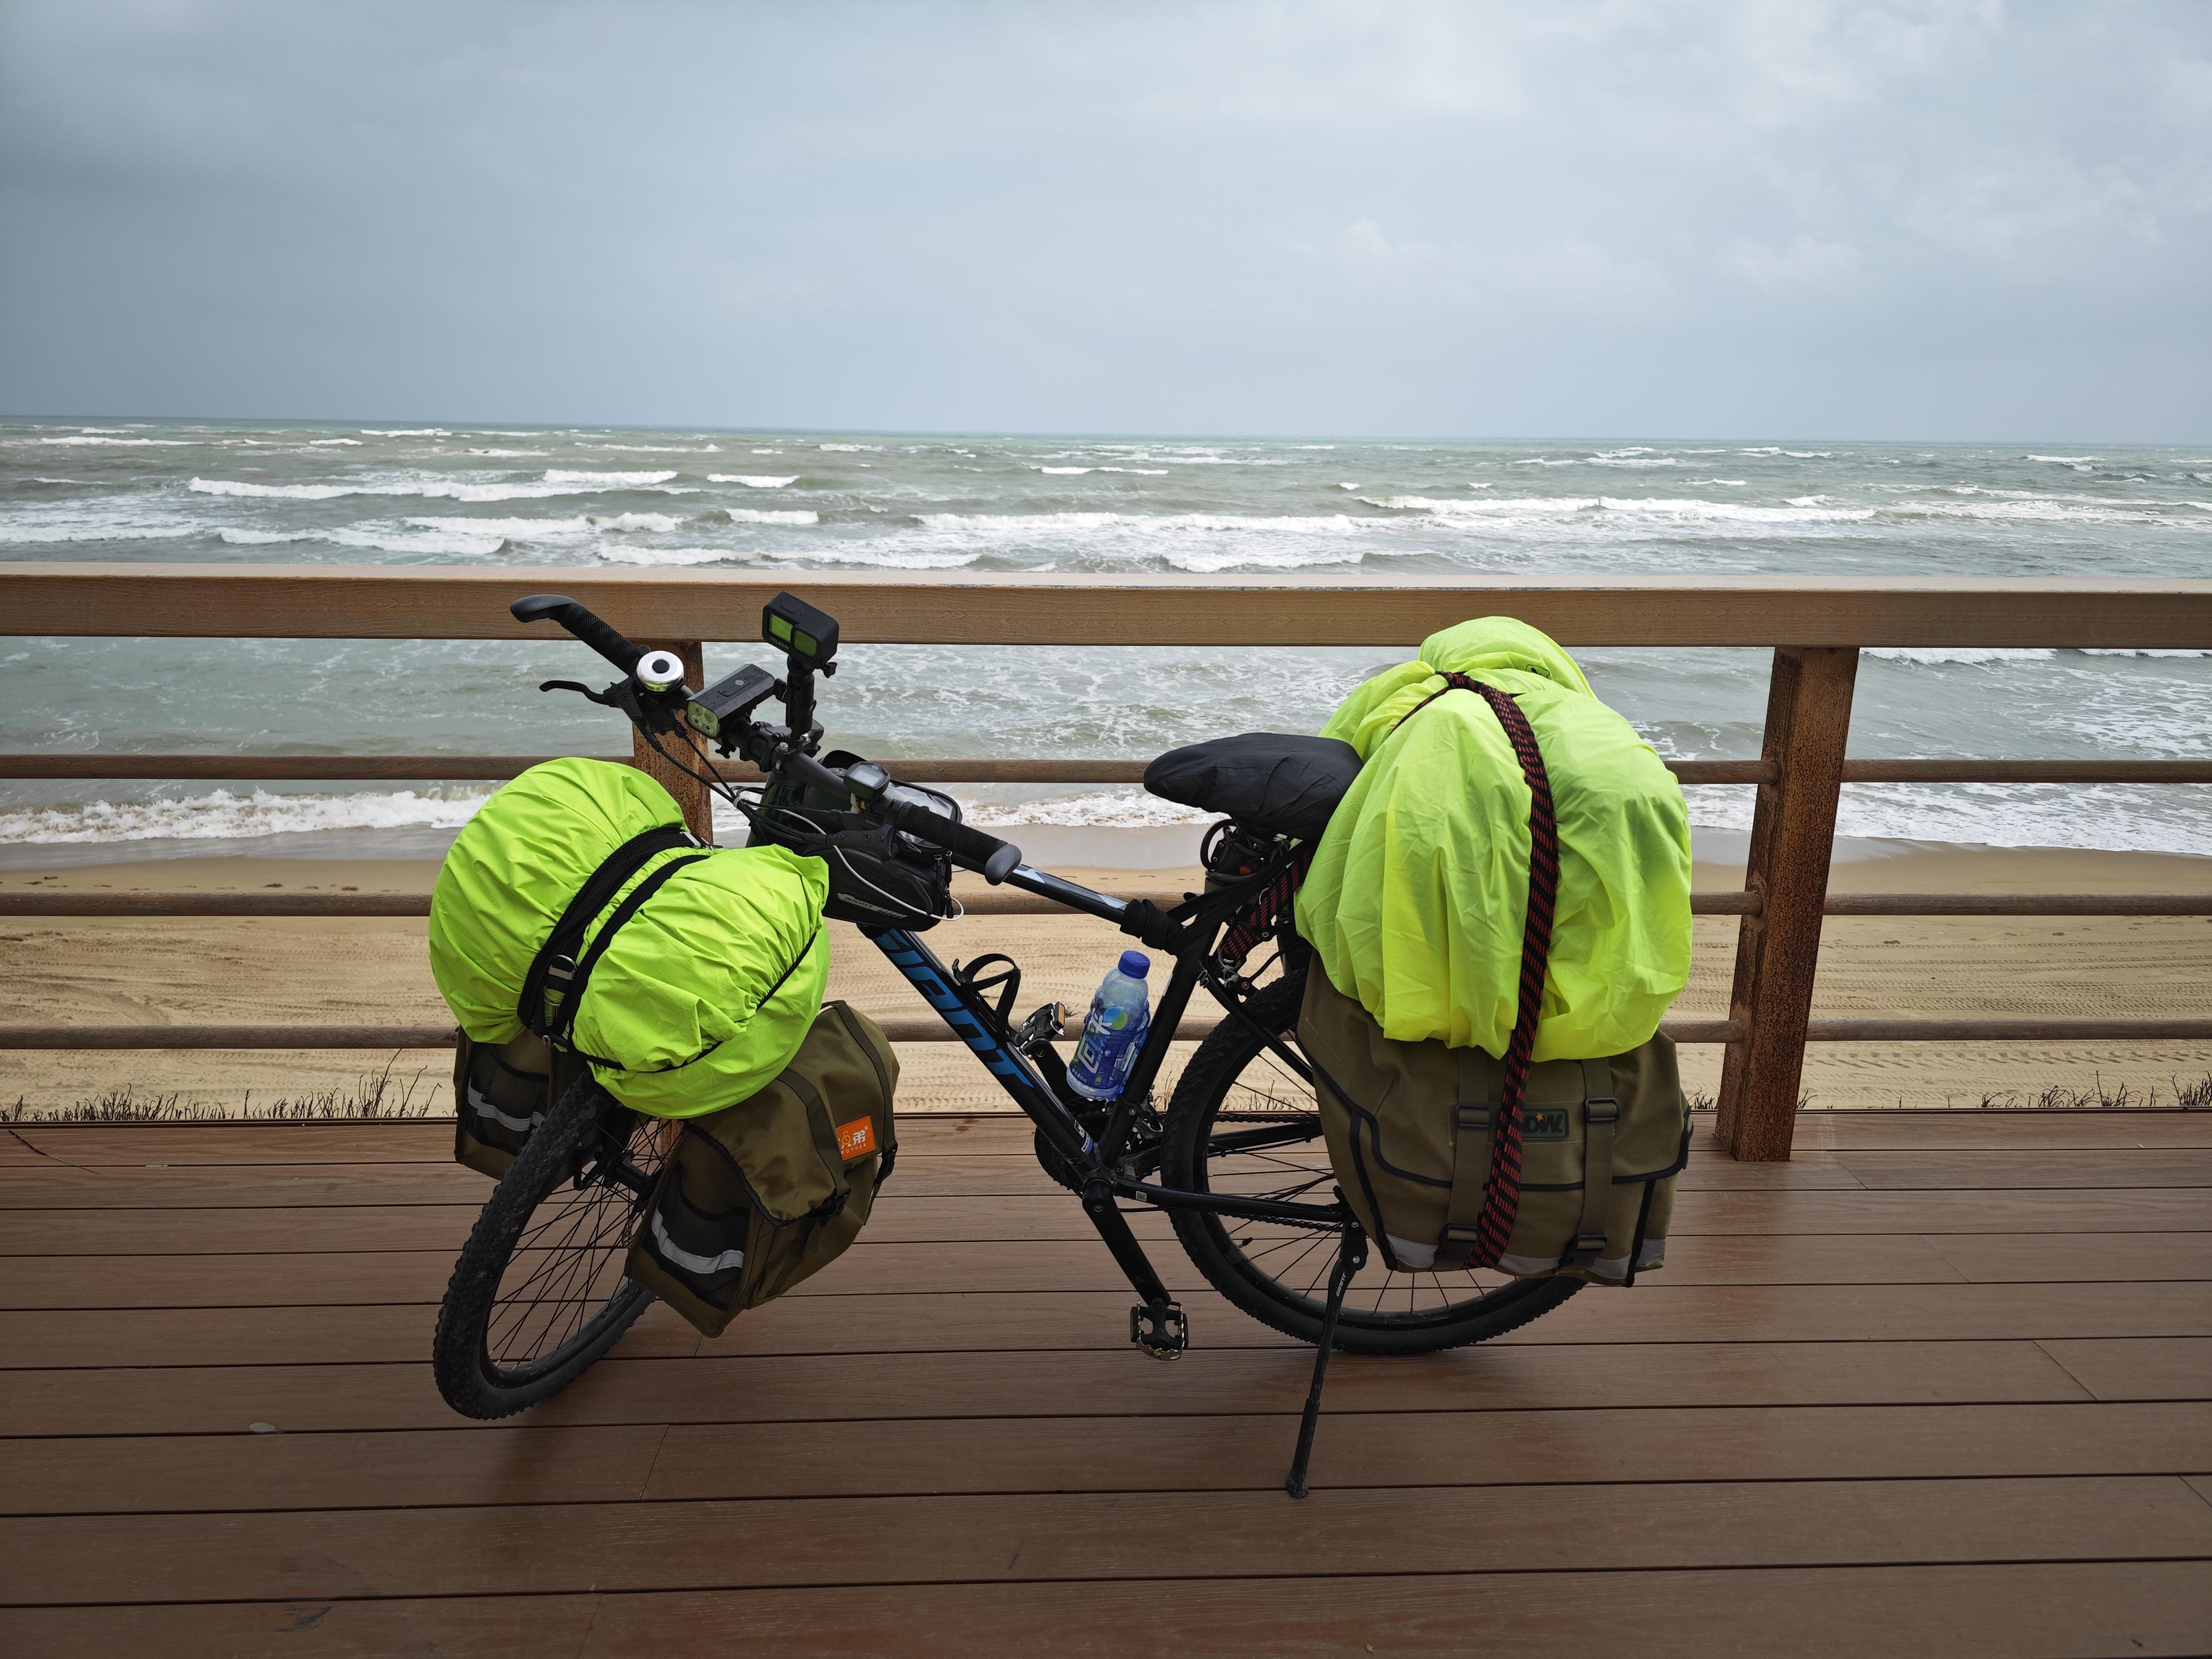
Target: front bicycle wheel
1243 1122
539 1291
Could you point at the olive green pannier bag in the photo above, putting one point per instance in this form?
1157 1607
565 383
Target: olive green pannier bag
1411 1138
764 1194
501 1092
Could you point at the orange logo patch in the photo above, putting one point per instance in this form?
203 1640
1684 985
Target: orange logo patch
856 1138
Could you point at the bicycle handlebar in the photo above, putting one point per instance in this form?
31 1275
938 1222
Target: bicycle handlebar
602 636
996 859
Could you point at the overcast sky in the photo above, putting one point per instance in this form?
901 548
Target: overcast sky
1655 217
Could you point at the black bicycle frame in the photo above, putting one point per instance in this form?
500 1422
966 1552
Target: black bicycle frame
978 1026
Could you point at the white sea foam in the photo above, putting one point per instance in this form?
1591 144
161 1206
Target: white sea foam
769 515
382 539
1101 808
221 815
332 443
870 448
435 486
655 522
1140 471
288 492
606 480
640 553
2079 463
1684 510
407 432
77 522
662 449
890 558
1348 486
1966 654
1067 471
753 480
1201 543
528 530
147 443
2099 817
513 454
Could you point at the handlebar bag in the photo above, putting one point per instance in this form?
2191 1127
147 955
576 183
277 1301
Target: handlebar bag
1411 1128
879 877
764 1194
694 974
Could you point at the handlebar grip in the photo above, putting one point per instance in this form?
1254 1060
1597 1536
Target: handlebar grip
601 636
996 858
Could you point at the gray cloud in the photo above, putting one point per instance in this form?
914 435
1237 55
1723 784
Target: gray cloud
1653 216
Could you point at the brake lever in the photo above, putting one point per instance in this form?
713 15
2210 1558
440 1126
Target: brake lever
621 696
602 698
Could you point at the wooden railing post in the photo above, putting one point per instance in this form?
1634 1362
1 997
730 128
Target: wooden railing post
1793 829
691 795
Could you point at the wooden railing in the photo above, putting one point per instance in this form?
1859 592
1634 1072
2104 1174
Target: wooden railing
1815 627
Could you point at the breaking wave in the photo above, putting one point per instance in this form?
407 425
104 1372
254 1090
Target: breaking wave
221 815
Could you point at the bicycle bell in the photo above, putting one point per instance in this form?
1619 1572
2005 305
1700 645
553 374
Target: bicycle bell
659 670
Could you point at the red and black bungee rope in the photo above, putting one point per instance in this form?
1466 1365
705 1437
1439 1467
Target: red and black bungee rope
1252 923
1502 1194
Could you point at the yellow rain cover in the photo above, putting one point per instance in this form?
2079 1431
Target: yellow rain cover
701 998
1419 888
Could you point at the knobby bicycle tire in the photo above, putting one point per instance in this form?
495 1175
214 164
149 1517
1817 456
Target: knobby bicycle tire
566 1235
1235 1086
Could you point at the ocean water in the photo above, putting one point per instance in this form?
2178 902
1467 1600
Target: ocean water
483 496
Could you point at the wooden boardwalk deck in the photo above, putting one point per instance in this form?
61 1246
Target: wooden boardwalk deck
1943 1385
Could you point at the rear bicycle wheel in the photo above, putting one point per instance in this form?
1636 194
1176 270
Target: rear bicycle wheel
1243 1122
539 1291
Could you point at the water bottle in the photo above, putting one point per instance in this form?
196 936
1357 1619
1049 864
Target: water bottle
1120 1016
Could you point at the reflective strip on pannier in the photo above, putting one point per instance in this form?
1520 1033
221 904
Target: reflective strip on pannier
501 1092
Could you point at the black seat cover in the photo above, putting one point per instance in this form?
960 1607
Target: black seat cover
1283 785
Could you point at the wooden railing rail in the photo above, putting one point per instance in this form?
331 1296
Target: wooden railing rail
1815 626
925 1029
430 602
481 768
1001 902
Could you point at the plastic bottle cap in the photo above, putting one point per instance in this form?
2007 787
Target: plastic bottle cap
1135 964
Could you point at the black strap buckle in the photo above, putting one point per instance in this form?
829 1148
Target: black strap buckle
1602 1108
1457 1244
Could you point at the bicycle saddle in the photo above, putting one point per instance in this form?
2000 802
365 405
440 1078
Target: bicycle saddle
1276 783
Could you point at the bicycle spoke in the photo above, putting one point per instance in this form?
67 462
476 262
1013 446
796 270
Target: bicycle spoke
565 1268
1260 1136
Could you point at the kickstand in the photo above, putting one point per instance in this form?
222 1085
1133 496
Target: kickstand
1351 1257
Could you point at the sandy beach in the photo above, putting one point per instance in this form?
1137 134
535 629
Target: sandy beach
198 970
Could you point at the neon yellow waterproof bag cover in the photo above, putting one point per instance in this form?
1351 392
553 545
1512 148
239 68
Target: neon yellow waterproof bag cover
704 993
1419 890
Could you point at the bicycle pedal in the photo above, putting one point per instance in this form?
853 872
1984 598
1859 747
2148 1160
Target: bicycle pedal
1161 1332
